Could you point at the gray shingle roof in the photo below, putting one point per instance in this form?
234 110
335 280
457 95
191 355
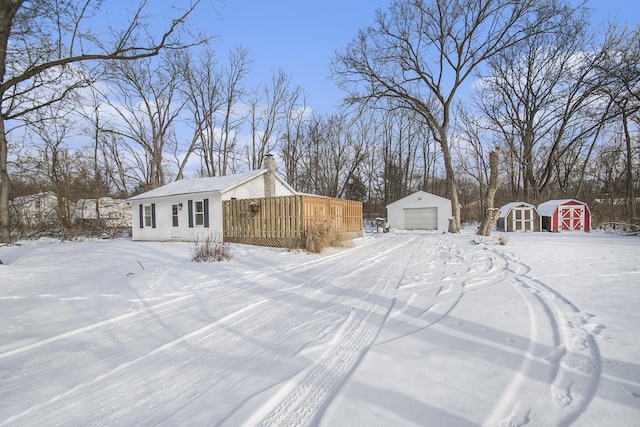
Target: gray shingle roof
199 185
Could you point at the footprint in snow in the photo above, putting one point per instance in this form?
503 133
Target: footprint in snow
594 328
578 343
562 397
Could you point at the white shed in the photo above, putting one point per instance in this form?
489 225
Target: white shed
420 211
519 216
191 209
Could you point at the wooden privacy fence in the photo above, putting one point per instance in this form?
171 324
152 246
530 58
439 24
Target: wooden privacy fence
283 221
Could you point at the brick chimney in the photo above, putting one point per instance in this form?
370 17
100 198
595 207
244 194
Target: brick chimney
270 176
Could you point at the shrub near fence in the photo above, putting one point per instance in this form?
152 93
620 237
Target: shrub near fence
283 221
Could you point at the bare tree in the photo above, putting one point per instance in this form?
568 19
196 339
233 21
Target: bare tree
145 96
292 139
54 160
620 71
331 156
230 119
402 138
473 144
213 93
542 102
203 93
41 40
420 53
607 173
94 119
267 106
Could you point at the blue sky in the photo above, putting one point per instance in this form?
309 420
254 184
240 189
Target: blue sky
298 37
301 36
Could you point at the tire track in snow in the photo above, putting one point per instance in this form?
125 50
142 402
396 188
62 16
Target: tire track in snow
305 399
169 312
163 348
276 317
453 273
126 325
560 371
139 311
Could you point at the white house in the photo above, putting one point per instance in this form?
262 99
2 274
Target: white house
114 213
36 211
419 211
191 209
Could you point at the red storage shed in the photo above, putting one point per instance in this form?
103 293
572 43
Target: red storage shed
565 215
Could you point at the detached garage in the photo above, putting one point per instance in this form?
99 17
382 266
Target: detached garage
420 211
518 216
565 215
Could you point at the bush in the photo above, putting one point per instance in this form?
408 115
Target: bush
502 240
209 250
322 234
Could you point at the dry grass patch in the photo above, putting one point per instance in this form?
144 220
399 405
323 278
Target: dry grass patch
322 234
208 250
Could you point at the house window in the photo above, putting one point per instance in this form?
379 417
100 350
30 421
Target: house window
174 215
148 218
148 215
198 213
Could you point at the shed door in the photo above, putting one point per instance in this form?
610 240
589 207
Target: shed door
522 219
421 218
571 218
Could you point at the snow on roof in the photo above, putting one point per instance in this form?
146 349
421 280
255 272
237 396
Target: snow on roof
199 185
33 197
419 194
547 208
504 210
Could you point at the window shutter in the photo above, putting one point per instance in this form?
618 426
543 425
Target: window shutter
190 212
153 215
206 212
141 209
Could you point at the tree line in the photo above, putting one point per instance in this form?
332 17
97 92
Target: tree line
482 102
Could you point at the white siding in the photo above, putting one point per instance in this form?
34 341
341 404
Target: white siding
253 188
164 219
282 190
420 200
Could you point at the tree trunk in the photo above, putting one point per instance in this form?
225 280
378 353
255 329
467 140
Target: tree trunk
5 225
491 214
454 226
631 198
7 12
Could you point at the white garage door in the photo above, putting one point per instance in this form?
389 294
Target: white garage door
421 218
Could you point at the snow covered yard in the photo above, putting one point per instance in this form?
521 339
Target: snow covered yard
402 329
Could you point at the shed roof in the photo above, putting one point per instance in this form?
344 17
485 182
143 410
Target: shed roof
504 210
200 185
420 194
547 208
